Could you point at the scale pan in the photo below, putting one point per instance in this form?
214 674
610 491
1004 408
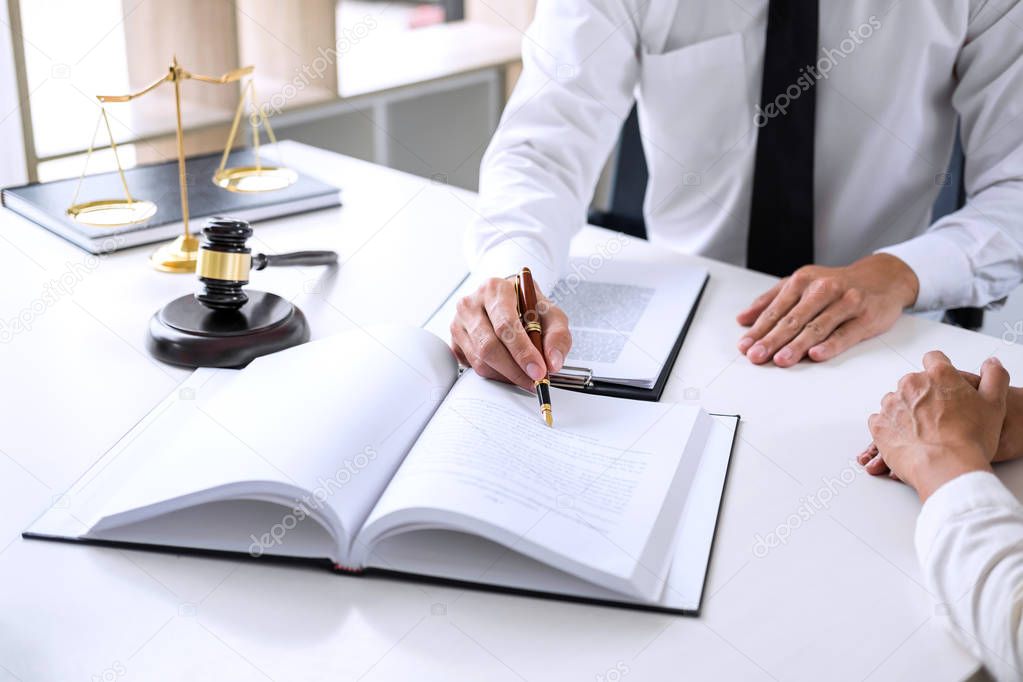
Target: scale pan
112 212
253 179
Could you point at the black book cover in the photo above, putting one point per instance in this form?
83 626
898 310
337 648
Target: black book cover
47 203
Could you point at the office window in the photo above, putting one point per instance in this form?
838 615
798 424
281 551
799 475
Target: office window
66 63
68 51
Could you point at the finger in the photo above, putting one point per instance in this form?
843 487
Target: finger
867 454
994 382
459 355
935 359
877 466
845 336
460 337
815 332
971 378
750 314
472 359
458 340
488 372
815 298
489 350
781 304
912 383
875 423
504 319
557 339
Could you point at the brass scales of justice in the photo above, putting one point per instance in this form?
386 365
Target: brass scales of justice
181 254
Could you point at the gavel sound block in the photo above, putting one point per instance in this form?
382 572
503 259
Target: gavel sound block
223 325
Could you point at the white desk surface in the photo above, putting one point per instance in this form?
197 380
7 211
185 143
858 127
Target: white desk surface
840 599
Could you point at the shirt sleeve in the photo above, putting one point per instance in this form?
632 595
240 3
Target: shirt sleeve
969 540
579 72
974 256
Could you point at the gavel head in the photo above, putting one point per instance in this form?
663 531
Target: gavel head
224 263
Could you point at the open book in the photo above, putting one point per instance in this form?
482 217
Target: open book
367 449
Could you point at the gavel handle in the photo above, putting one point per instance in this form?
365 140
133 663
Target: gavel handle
262 260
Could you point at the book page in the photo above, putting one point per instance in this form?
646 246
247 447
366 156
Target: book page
459 556
324 425
626 315
586 496
602 315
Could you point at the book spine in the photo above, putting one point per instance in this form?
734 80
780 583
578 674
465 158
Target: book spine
347 569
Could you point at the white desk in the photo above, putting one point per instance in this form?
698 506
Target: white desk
840 599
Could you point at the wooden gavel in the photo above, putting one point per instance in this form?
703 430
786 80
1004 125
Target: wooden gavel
225 262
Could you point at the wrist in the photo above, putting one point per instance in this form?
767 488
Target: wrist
939 465
905 285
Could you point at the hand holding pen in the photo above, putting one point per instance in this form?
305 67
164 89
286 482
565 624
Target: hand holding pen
487 334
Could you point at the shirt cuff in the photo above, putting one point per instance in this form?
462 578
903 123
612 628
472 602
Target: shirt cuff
942 268
508 256
963 494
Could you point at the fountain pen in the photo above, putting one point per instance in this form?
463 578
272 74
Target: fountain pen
530 316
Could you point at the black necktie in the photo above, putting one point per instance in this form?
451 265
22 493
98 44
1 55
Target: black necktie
781 211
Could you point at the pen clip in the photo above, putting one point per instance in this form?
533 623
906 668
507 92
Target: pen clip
572 377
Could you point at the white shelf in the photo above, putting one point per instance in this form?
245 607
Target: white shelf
400 59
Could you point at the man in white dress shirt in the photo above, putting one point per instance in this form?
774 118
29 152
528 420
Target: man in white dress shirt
939 431
868 121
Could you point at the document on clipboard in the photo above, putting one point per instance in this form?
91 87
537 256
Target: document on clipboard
628 315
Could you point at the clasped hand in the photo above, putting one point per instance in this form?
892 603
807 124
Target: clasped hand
941 423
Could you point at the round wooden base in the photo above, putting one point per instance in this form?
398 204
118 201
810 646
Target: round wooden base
186 333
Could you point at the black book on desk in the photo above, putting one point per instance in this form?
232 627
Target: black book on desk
46 203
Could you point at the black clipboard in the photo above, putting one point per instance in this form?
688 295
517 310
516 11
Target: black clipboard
581 378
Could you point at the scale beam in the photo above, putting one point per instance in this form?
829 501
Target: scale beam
181 254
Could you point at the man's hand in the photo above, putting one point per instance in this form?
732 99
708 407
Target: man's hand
487 335
1010 441
820 312
936 426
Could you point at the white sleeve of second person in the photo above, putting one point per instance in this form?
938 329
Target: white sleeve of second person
538 175
969 540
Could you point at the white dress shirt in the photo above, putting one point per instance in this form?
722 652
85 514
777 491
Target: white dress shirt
892 80
969 539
